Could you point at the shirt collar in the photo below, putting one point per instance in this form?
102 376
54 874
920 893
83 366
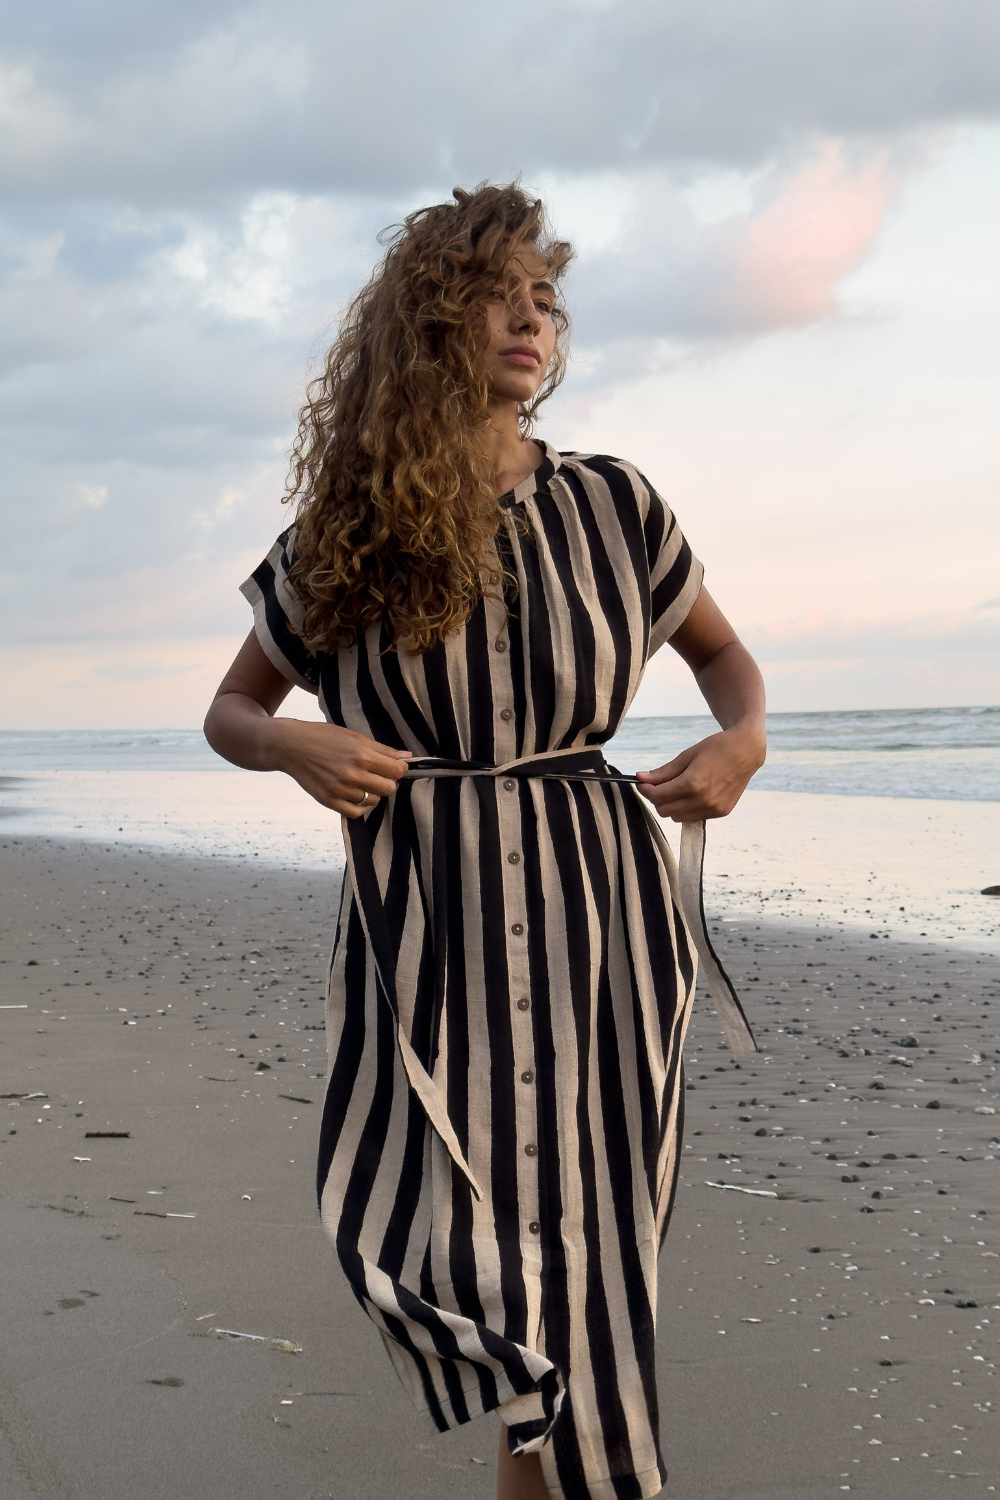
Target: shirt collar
530 485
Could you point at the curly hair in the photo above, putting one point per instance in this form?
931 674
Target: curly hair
395 507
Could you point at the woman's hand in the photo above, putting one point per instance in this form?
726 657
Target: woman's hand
708 779
336 766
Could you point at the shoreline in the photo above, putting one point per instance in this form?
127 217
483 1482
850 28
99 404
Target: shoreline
907 868
179 1000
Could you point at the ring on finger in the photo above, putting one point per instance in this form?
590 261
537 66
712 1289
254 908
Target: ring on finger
365 800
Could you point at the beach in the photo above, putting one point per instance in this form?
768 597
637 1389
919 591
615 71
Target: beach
166 1012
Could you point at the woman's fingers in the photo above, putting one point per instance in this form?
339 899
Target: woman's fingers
376 786
341 793
341 769
670 771
694 795
351 808
382 760
691 808
705 781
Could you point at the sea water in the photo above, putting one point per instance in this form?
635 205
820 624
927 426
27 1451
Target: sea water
942 753
887 818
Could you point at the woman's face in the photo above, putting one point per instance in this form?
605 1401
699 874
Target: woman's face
520 331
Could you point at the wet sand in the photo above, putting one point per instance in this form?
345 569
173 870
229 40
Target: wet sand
810 1343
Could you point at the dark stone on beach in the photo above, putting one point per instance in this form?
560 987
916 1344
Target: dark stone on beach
990 890
970 1303
933 1104
876 1085
761 1131
846 1178
886 1363
908 1041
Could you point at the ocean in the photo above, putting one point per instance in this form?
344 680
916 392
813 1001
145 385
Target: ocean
942 753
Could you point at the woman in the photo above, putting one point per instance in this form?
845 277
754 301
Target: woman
512 973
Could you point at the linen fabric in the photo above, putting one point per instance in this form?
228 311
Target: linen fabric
543 977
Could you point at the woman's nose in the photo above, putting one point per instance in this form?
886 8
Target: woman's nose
524 314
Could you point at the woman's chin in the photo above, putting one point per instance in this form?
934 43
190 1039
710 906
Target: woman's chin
509 387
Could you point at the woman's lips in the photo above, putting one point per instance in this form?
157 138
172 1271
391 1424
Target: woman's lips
521 357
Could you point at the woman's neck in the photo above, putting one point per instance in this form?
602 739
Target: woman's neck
511 456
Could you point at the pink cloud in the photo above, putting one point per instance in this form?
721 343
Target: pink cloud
814 635
777 265
780 265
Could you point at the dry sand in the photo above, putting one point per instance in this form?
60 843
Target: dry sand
811 1343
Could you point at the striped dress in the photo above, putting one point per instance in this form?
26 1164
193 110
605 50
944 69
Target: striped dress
509 987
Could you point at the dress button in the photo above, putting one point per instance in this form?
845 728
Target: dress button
513 859
509 784
527 1076
531 1149
534 1227
523 1004
506 713
517 928
501 645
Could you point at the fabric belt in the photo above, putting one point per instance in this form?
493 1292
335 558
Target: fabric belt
554 765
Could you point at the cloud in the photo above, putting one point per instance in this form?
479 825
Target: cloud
367 97
779 267
815 663
149 377
776 265
812 637
191 191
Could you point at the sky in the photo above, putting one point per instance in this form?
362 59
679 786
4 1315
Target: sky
785 307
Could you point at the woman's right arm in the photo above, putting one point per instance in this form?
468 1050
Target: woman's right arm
336 766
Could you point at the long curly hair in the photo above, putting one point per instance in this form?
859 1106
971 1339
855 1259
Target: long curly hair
395 505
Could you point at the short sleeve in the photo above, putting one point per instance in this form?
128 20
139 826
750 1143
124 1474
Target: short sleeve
278 614
675 574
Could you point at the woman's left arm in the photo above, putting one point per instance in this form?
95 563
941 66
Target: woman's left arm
708 779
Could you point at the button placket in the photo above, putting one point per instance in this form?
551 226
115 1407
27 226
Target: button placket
522 1028
516 921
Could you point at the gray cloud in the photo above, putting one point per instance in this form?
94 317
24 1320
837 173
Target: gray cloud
165 103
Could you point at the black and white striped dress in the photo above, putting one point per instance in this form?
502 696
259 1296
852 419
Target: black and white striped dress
510 983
